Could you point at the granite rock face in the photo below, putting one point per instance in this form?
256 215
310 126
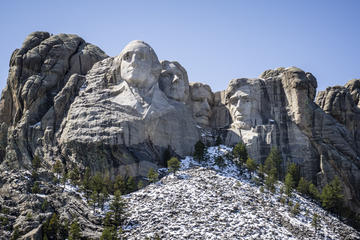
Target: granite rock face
278 110
66 99
38 72
342 104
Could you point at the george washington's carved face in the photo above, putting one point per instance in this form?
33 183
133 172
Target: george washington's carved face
139 65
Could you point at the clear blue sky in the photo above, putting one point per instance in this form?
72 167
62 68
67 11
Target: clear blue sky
214 40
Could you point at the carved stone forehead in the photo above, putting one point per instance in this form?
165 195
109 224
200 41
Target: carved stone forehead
136 45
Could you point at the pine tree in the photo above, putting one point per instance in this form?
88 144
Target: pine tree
36 163
104 196
118 208
218 141
36 188
331 196
93 199
153 176
315 222
219 160
303 186
131 185
16 234
261 172
272 163
75 232
199 151
251 165
289 184
296 209
58 168
73 175
140 184
174 165
270 183
120 184
109 233
294 170
52 227
314 192
240 152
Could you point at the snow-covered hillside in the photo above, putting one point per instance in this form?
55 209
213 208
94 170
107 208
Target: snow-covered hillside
209 202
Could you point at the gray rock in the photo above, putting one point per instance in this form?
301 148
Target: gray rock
38 72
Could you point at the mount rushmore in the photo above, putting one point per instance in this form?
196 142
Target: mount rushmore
66 99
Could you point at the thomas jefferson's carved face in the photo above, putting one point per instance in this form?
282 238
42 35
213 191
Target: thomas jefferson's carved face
137 65
173 81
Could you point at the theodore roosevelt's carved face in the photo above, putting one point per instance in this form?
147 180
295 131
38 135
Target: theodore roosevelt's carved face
139 65
201 100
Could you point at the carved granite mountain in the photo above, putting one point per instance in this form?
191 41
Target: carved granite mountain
66 99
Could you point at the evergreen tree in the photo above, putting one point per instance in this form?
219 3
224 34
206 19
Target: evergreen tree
289 184
16 234
219 160
240 152
294 170
270 183
218 141
272 163
174 165
36 163
199 151
314 192
315 222
296 209
93 199
120 184
303 186
36 188
261 172
331 196
104 196
57 168
153 176
131 185
140 184
73 175
109 233
118 209
251 165
75 232
86 182
51 227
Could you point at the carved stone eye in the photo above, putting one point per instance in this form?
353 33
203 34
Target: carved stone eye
127 57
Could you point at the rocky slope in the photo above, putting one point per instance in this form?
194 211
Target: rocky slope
205 203
202 201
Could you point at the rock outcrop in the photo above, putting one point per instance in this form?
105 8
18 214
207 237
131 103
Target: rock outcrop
66 99
39 70
278 110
